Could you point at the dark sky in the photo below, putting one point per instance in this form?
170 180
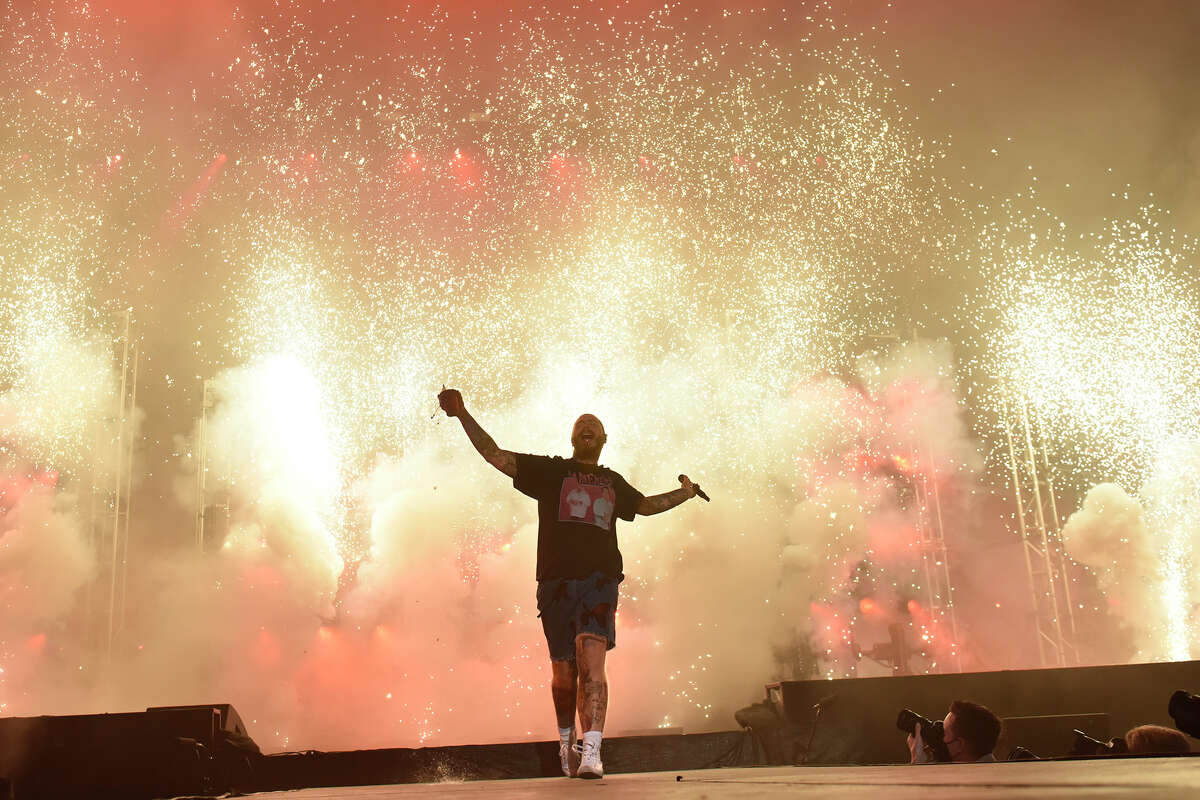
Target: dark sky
1080 87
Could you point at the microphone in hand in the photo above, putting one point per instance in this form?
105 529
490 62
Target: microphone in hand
699 492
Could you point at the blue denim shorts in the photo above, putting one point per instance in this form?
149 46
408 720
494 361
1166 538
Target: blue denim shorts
569 607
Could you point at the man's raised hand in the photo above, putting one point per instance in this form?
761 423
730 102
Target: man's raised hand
451 402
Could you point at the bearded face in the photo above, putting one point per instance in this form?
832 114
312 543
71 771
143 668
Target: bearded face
587 437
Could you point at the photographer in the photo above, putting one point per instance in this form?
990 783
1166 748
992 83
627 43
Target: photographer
969 734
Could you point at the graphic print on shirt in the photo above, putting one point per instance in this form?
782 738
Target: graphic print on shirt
587 498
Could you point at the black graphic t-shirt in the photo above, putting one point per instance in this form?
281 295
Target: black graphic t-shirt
578 506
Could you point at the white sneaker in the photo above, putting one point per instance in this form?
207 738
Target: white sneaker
568 754
590 766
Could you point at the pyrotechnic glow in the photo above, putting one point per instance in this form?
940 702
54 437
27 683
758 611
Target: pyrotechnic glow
1097 342
56 373
718 244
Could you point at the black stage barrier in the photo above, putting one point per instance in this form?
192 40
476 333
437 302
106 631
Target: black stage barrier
857 720
160 752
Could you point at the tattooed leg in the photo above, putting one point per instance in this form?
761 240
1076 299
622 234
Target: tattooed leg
593 685
563 686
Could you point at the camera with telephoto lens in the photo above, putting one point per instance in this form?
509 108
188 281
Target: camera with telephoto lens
933 734
1184 708
1087 746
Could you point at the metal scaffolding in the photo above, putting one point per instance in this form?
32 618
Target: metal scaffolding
110 502
201 455
205 505
935 556
1041 538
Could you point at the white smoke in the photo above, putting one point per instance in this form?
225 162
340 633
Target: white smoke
1172 500
45 559
437 639
269 445
60 430
1109 534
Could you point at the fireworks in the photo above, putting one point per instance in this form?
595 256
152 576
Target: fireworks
621 205
1097 342
717 243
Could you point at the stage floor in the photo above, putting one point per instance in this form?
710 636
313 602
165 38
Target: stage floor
1161 778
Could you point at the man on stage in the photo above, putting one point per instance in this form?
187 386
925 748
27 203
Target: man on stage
578 567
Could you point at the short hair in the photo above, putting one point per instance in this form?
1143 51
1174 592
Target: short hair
583 416
1156 739
977 725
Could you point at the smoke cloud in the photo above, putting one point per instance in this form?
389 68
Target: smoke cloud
434 637
45 559
1109 534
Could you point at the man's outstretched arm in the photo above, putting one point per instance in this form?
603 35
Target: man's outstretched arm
658 503
503 460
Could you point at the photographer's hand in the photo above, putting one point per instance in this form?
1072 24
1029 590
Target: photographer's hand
919 752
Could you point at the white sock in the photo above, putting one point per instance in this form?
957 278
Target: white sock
566 735
593 737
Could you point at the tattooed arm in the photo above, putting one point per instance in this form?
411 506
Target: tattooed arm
658 503
503 460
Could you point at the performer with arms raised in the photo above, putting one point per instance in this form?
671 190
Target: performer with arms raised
578 567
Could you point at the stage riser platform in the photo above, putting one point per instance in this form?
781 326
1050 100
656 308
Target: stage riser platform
489 762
